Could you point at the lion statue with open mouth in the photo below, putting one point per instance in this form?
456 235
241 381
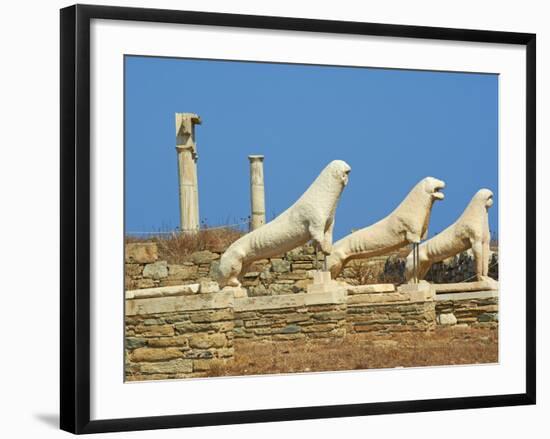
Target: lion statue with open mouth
407 224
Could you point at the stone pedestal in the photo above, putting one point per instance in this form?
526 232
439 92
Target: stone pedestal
257 193
462 287
187 171
421 292
322 283
238 292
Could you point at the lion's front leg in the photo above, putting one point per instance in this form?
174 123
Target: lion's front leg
412 238
327 240
477 249
317 233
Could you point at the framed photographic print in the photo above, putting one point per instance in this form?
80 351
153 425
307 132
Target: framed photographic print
268 218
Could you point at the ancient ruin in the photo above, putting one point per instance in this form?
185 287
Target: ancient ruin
186 148
471 230
407 224
257 193
285 281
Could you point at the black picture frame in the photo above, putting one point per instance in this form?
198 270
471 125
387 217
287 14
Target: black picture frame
75 218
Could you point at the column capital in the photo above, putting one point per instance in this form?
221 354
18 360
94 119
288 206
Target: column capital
255 157
185 128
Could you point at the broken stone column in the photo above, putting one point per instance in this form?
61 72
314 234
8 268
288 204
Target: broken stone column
186 148
257 194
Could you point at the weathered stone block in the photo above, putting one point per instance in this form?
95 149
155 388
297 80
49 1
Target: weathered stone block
155 331
198 353
302 266
265 330
157 270
302 285
282 281
182 272
280 265
206 365
319 328
169 367
141 253
205 341
208 286
134 343
155 354
175 341
133 269
150 322
289 329
373 288
446 319
225 352
144 283
296 317
294 276
330 315
211 316
204 257
257 290
280 289
257 322
487 317
286 337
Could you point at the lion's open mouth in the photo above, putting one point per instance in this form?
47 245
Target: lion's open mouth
489 201
437 193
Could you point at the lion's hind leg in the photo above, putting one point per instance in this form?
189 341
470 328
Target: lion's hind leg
229 269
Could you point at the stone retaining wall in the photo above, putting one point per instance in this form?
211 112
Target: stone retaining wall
315 315
289 274
475 309
178 336
188 331
387 310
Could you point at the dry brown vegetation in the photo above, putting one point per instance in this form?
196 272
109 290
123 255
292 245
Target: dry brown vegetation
176 247
361 272
443 346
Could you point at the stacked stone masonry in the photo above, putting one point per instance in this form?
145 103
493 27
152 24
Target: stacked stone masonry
291 317
181 332
478 309
178 336
289 274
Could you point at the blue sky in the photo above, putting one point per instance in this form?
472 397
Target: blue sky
393 127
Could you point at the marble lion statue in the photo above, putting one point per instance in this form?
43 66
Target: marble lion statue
309 218
408 223
470 230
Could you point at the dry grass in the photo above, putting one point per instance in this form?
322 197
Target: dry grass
360 272
176 247
443 346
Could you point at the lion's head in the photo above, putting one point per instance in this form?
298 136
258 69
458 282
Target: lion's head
340 171
484 196
433 187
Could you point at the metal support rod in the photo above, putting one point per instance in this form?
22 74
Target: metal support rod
415 262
